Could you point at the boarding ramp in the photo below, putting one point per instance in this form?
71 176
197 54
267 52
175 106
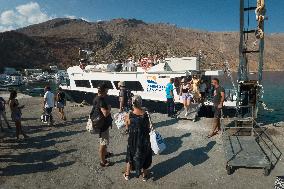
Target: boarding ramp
192 113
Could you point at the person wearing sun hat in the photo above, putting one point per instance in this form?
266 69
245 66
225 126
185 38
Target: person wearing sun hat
124 97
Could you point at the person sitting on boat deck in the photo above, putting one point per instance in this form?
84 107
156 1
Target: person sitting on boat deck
170 98
195 88
60 99
124 97
48 104
185 90
218 100
202 89
139 152
101 106
3 114
16 114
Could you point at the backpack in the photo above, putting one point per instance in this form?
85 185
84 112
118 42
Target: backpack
97 119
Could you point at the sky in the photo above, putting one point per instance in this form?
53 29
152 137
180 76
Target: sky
209 15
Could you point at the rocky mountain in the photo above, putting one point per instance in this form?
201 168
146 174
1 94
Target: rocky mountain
56 42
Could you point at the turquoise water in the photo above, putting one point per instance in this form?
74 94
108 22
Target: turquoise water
273 83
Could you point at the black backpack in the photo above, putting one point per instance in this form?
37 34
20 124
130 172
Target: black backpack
98 119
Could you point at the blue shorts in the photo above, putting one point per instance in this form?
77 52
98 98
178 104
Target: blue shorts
186 96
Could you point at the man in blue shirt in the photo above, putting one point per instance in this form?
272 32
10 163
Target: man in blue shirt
170 97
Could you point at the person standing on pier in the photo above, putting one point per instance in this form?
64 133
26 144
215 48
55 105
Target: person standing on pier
170 98
139 152
185 93
218 100
60 98
124 97
48 104
101 107
3 113
16 114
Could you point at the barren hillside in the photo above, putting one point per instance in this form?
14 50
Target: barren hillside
57 42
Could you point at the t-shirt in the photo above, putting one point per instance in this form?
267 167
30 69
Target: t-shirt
217 95
2 104
185 89
101 102
61 97
49 98
169 88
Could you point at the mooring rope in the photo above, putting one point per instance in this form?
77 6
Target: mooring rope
259 12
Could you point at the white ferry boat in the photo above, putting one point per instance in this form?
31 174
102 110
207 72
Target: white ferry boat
148 79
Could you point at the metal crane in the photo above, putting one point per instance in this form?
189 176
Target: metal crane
249 91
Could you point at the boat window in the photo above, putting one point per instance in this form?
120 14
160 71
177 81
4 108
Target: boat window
131 85
95 83
82 83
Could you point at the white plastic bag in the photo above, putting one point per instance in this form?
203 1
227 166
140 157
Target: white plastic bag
89 126
157 142
120 119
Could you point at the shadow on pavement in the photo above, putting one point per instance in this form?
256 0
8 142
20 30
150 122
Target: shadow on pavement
13 170
173 143
194 156
32 162
165 123
33 157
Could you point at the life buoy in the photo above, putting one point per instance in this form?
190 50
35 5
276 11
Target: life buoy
82 66
146 63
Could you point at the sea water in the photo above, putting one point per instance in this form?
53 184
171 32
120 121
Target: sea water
273 84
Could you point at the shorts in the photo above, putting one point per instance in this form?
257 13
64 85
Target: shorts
60 105
186 96
16 116
217 112
104 138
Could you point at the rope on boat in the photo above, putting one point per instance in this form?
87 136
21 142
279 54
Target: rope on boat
259 12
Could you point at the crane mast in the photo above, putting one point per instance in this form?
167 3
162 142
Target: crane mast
249 91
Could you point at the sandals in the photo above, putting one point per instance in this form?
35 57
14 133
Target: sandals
126 177
145 178
106 164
